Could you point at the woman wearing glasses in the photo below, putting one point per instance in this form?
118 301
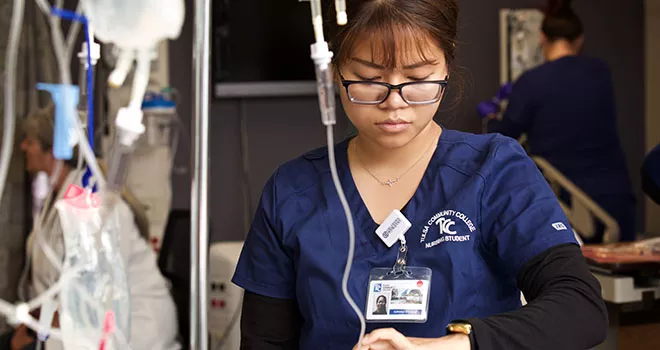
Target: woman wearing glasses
482 219
566 107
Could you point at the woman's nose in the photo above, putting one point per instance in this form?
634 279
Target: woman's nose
394 101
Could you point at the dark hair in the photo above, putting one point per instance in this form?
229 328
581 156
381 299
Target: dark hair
387 24
561 22
381 297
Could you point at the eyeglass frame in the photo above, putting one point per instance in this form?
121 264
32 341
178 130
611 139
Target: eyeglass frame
443 85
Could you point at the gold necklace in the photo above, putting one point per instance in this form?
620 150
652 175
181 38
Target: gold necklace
392 181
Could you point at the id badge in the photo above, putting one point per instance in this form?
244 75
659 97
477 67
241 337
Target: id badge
401 296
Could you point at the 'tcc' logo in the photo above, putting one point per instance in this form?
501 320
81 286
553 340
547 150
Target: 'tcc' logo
445 226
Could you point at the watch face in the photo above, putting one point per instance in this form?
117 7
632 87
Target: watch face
464 328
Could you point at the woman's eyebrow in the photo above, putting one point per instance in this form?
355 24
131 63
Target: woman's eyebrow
367 63
410 66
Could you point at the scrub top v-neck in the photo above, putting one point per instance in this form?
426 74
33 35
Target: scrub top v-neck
481 211
362 216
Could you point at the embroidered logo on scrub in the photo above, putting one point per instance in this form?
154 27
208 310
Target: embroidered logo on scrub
445 222
559 226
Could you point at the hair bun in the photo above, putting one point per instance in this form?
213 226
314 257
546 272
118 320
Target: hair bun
558 7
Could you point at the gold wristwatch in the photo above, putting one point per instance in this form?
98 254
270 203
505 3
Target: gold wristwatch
464 327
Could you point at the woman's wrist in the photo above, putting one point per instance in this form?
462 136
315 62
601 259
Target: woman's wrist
465 330
455 341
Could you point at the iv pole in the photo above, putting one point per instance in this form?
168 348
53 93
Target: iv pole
199 229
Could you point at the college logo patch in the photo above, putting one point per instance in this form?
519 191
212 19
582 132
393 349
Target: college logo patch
559 226
450 225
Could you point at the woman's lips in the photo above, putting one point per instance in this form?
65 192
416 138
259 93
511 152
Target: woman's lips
393 126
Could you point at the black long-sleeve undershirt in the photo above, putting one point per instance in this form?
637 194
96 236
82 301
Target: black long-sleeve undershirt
565 310
269 323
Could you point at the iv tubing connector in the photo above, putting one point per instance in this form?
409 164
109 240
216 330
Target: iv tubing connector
340 8
342 18
129 125
322 57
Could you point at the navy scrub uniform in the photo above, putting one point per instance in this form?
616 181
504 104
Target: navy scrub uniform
651 174
567 109
501 209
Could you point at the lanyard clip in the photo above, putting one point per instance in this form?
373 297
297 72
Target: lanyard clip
401 257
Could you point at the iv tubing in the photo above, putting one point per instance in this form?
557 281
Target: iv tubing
322 61
90 79
48 251
58 43
351 233
317 20
36 232
73 33
34 324
124 64
6 308
43 5
85 150
89 39
90 85
10 89
52 290
140 78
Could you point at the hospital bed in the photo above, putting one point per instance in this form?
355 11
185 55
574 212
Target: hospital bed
582 211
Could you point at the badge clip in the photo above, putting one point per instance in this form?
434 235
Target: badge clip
401 258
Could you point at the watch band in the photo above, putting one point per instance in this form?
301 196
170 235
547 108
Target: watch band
464 327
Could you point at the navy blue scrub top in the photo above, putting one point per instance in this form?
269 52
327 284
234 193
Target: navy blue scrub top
652 165
485 184
568 111
651 174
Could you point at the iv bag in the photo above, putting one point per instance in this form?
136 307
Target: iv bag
135 24
98 293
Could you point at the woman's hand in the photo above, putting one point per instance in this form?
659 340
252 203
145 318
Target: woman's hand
391 339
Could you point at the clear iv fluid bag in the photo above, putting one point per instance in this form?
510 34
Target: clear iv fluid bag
99 290
135 24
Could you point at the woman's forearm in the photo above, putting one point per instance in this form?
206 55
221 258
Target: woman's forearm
565 309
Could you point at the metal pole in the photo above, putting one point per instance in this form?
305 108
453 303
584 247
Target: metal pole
199 241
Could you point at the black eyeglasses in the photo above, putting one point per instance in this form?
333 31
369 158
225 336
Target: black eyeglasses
375 92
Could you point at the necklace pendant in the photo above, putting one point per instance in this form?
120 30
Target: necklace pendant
389 182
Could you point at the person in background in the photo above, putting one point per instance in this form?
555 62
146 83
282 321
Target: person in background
651 174
153 314
566 107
